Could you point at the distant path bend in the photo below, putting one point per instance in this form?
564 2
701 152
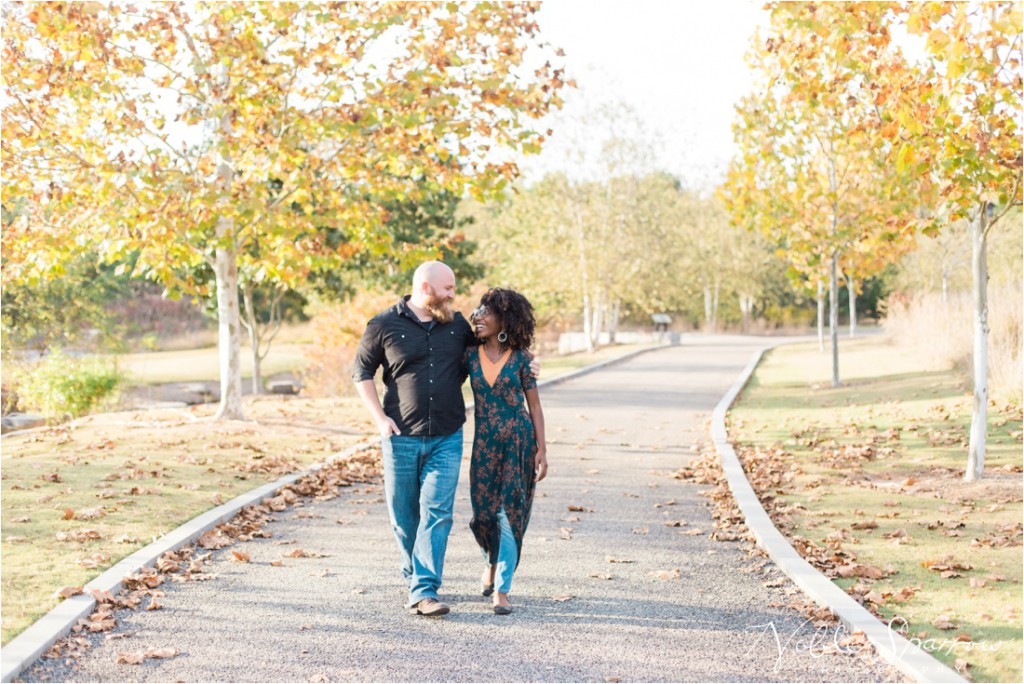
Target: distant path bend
616 436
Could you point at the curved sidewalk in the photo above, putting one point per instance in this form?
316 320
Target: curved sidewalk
607 592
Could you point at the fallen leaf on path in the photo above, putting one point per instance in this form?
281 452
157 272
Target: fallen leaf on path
961 665
641 530
943 622
69 514
675 523
155 605
213 540
319 678
131 658
673 574
580 509
693 532
602 576
276 563
302 553
67 592
612 559
563 597
161 652
240 556
662 504
865 525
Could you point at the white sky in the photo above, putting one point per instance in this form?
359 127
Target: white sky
678 63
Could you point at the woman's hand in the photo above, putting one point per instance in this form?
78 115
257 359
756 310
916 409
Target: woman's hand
542 465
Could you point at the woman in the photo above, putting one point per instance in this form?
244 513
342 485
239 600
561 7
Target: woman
509 452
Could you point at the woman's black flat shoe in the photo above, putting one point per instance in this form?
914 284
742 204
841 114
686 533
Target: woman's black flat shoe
486 589
502 610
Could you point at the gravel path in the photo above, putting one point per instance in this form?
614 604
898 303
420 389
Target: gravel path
616 436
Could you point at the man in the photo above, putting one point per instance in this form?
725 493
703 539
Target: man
420 343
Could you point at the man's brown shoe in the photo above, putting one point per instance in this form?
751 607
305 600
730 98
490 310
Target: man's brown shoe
430 607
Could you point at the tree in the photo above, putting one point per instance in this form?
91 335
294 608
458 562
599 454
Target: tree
154 131
812 172
958 123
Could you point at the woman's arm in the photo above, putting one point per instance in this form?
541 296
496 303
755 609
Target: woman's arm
537 416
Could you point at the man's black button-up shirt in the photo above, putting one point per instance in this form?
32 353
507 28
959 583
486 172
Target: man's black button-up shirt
423 370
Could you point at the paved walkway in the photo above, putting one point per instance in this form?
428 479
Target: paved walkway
616 434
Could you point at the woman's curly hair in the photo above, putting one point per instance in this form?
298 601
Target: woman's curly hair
516 314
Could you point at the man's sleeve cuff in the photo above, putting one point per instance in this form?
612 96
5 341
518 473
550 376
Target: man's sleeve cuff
361 375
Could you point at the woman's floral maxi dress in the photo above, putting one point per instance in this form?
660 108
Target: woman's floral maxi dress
504 451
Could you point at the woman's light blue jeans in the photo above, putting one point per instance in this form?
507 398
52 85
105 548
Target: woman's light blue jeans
507 555
420 477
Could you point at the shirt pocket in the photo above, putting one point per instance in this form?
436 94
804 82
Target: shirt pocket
404 347
448 342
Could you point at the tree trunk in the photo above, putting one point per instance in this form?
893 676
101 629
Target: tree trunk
228 324
979 415
613 326
581 243
587 321
597 312
251 325
226 273
714 307
851 285
833 316
708 320
746 307
821 314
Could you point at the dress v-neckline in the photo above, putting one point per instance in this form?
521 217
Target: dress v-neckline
492 369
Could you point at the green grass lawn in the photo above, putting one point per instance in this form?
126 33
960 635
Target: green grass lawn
875 469
78 499
192 365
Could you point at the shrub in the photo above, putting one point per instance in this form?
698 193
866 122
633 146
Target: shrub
942 332
336 330
60 386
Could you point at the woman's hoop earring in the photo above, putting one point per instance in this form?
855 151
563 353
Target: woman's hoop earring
503 337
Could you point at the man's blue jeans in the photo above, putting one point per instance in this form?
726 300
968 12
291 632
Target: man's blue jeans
420 477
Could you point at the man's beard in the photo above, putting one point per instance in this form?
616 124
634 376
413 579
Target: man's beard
439 308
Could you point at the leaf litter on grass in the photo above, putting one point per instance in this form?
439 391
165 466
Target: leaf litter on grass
873 478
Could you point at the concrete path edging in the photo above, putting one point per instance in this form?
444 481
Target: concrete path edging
28 646
890 645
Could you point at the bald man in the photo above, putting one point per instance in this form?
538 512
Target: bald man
420 343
